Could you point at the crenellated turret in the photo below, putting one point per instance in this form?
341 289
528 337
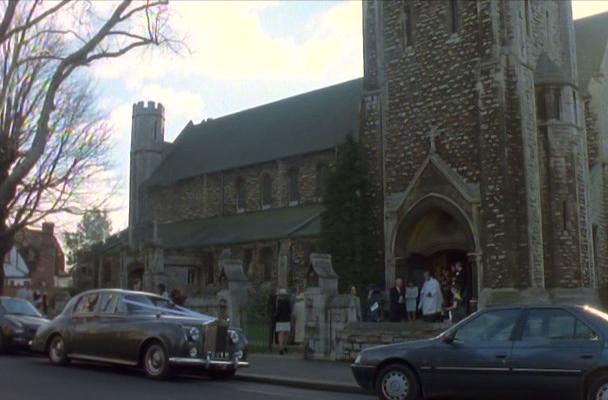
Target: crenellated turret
147 141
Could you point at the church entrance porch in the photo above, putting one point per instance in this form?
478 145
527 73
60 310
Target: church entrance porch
435 236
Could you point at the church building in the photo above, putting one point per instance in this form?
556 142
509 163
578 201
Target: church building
485 127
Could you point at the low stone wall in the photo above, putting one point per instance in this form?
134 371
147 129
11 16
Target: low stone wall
208 305
359 335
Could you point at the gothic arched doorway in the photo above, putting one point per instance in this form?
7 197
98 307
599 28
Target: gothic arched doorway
434 235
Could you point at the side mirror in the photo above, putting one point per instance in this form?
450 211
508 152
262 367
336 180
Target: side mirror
448 339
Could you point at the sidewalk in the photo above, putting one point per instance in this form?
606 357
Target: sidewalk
292 370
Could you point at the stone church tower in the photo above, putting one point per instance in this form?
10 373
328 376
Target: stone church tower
147 142
475 132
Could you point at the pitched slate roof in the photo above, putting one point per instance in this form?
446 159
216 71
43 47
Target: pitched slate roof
281 223
306 123
292 222
591 38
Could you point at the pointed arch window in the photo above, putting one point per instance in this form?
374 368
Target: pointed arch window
407 25
241 194
266 263
555 103
208 268
266 190
453 17
293 186
548 103
575 104
322 175
527 16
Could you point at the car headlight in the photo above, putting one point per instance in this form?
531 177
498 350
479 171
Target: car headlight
234 336
358 359
193 334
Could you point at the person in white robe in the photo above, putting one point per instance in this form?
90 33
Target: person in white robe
431 299
298 319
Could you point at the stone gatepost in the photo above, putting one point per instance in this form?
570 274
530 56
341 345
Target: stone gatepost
322 287
233 293
154 268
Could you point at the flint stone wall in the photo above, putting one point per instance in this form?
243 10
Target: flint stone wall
358 336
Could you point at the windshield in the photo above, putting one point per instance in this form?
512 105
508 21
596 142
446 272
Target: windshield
18 307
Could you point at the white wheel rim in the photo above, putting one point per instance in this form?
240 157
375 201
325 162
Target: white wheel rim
602 392
57 348
155 360
396 385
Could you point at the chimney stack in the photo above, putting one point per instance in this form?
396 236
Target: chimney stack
48 228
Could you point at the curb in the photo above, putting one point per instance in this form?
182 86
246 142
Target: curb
299 383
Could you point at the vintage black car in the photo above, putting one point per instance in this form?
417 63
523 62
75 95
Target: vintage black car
546 352
141 329
19 321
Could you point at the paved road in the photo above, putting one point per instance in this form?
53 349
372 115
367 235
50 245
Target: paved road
32 378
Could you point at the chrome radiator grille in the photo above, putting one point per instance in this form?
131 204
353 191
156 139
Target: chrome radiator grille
216 339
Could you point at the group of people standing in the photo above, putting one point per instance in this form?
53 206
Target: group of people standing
38 297
435 301
176 295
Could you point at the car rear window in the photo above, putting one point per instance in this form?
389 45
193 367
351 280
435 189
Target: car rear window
147 303
555 324
86 304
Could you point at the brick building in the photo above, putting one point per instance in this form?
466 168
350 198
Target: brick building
484 124
39 258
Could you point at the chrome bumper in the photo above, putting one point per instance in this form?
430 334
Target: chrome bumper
209 362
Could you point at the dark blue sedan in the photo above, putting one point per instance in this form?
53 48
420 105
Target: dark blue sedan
545 352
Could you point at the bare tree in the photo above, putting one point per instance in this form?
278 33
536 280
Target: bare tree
52 141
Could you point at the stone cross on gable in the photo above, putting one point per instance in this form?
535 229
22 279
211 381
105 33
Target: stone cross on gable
432 135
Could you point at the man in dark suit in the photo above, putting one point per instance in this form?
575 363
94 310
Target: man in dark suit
397 301
272 310
459 280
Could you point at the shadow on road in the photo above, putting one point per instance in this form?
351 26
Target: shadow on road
181 375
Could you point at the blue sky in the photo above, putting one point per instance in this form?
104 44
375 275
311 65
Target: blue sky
242 54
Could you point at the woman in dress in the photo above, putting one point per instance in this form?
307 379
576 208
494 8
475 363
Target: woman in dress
411 298
357 301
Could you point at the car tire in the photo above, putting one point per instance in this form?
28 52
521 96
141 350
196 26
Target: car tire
57 351
397 382
598 389
2 345
222 375
156 362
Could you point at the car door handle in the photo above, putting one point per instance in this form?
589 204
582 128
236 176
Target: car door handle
501 356
587 356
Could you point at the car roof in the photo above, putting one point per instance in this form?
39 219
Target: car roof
119 291
571 307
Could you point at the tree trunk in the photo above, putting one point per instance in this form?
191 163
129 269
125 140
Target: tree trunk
6 243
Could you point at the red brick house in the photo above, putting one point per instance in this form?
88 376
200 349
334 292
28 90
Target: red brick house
44 257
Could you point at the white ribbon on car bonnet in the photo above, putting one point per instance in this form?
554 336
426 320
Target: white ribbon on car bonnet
178 311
